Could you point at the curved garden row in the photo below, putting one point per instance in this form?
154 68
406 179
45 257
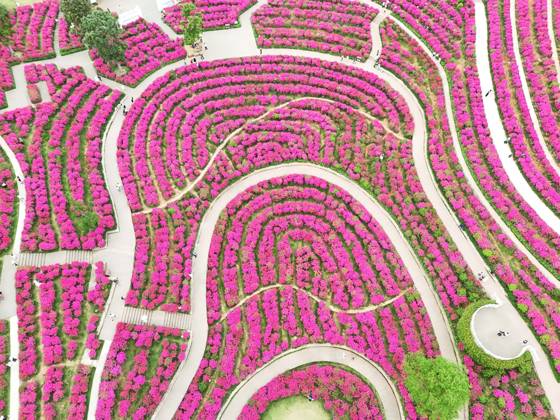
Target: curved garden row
340 27
540 71
513 105
215 13
241 341
342 392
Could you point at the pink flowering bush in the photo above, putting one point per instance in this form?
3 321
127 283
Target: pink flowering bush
339 27
140 364
343 393
305 284
58 145
148 49
215 13
540 72
523 137
33 30
4 370
69 42
8 203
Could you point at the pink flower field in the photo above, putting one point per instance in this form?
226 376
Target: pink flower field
312 191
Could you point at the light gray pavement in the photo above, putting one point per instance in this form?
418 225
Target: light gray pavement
487 322
388 395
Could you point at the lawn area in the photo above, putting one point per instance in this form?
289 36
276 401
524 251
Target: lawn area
296 408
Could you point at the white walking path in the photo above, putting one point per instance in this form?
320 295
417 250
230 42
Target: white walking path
14 368
388 394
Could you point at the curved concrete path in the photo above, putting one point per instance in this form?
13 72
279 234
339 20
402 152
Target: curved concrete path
199 332
388 394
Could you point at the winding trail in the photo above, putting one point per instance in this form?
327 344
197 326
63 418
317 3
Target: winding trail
388 394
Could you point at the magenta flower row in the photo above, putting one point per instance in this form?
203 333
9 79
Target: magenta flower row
215 13
340 27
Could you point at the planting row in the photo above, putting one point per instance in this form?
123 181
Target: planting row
513 104
176 125
163 256
534 295
339 27
215 13
58 311
540 72
5 370
343 392
139 367
148 49
306 233
8 204
58 146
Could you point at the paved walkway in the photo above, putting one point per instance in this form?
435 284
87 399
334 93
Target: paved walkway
388 395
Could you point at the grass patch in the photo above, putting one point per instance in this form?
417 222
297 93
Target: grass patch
296 408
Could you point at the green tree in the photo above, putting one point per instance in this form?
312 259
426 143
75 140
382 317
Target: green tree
438 387
74 11
192 24
5 25
102 31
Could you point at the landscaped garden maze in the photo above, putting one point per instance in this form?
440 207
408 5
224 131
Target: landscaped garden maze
308 229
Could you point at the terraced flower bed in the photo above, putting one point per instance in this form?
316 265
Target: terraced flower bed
140 364
58 146
339 27
514 106
215 13
5 371
148 49
8 204
341 391
55 305
296 306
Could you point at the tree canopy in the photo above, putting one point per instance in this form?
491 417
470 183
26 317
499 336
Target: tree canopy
192 28
102 31
5 25
74 11
438 387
